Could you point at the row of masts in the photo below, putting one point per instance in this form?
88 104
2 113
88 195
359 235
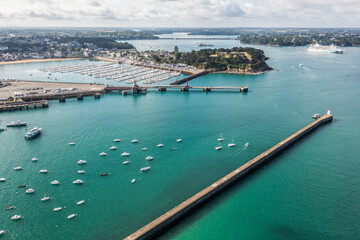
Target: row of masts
120 73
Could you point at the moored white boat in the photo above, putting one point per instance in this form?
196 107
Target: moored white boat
2 179
149 158
221 138
2 232
34 159
30 190
71 216
116 140
179 140
232 144
125 162
78 181
81 172
81 162
132 181
55 182
17 168
125 154
218 148
102 154
134 141
45 199
43 171
160 145
16 217
113 148
80 202
72 143
144 149
57 209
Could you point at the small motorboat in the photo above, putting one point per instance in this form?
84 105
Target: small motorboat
78 181
45 199
43 171
316 116
34 159
80 202
218 148
231 145
57 209
144 149
301 65
2 232
2 179
113 148
103 174
17 168
81 172
16 217
132 181
30 190
246 144
72 143
71 216
125 162
173 148
102 154
179 140
10 208
148 158
21 186
160 145
116 140
55 182
125 154
81 162
134 141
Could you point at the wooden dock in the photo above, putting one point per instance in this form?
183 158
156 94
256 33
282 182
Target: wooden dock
160 224
8 107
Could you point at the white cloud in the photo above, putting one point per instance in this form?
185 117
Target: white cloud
181 13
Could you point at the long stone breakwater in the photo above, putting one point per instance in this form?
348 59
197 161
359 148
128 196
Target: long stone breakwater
163 222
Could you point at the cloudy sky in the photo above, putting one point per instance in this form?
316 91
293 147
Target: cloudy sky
180 13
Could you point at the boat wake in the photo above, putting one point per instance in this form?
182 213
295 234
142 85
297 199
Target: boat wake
240 150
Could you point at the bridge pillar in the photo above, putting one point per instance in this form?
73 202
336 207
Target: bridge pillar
62 99
124 92
185 89
97 95
207 89
80 97
162 89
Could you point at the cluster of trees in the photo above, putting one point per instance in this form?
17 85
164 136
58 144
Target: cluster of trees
302 39
236 58
99 42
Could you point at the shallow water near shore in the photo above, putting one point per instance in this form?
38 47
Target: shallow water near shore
311 191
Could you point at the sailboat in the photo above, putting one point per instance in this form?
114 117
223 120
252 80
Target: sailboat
218 147
232 144
221 138
145 168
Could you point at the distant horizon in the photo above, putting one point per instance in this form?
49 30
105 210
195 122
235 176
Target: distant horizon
181 13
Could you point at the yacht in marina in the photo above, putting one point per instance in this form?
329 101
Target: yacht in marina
45 199
148 158
17 123
232 144
80 202
113 148
146 168
134 141
116 140
34 159
81 162
102 154
125 154
43 171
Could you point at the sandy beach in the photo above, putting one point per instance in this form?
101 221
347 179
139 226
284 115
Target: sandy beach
38 60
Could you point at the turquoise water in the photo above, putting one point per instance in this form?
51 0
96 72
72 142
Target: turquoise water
309 192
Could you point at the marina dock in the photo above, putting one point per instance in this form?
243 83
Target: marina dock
8 107
160 224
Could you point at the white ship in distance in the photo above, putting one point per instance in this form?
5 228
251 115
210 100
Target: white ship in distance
325 49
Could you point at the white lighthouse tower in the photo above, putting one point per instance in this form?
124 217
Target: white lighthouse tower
328 112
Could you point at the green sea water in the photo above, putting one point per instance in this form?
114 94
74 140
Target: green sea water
311 191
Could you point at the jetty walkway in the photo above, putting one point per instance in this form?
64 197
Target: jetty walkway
160 224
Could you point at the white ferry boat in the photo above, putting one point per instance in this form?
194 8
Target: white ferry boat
325 49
